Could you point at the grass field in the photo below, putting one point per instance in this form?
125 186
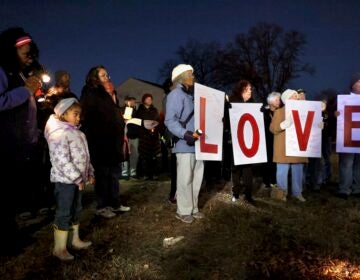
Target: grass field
318 239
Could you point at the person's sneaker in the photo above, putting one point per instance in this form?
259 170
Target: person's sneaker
121 208
234 198
172 200
198 215
105 213
185 218
300 198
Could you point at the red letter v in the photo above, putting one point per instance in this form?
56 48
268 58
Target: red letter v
303 137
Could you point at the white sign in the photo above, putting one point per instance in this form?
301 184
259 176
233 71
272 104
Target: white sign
303 137
247 133
128 113
348 124
208 113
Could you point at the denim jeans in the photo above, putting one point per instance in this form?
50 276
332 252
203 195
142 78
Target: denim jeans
349 173
68 205
129 167
297 172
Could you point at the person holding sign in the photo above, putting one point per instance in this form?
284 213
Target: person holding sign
349 163
179 119
280 122
131 138
149 140
242 175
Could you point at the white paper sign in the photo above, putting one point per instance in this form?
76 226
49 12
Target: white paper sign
128 113
247 133
348 124
303 137
208 113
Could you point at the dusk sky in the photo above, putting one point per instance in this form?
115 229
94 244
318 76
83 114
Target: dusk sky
134 38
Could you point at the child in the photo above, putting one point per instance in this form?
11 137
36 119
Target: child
71 169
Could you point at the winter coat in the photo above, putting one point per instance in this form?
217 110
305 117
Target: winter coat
18 122
279 140
149 140
69 153
103 125
179 105
46 108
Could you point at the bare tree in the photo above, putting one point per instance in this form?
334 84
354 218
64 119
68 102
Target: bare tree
201 56
267 56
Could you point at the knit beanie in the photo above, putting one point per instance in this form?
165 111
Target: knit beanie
178 70
63 105
287 94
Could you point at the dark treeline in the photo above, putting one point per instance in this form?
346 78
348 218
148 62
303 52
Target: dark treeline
267 56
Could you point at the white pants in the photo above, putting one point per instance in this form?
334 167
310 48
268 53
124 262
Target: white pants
189 178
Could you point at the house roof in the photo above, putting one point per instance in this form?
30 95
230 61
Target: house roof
137 88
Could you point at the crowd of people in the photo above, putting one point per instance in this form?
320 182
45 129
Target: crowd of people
59 145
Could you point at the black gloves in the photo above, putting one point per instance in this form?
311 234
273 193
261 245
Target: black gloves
189 138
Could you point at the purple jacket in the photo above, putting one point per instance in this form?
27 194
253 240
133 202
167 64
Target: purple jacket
18 120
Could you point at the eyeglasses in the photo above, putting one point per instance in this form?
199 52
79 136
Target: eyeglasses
104 76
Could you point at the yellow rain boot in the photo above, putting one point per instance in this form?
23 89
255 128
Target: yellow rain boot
60 241
76 242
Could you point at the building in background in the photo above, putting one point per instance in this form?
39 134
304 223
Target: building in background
137 87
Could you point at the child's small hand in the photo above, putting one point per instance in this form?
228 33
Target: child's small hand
92 180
